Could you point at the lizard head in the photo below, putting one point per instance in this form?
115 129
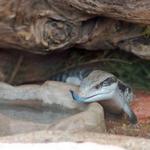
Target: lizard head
100 85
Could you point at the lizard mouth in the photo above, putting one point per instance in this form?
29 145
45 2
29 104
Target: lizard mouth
80 99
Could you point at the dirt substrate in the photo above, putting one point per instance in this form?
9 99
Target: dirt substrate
121 126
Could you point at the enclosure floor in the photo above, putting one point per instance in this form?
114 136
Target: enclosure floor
120 125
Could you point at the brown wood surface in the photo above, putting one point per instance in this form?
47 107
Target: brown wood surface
41 26
127 10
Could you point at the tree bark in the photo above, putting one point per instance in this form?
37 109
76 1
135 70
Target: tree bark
32 26
137 11
41 26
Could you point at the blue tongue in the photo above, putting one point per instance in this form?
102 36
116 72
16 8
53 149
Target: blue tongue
80 99
76 97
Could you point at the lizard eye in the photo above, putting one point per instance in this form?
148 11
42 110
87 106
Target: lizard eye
98 86
106 82
109 81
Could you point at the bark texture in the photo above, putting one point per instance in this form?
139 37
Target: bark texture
41 26
127 10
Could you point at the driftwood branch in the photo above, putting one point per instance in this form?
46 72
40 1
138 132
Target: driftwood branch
44 26
128 10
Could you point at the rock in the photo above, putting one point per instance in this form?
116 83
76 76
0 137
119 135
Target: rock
130 143
9 126
14 121
45 94
62 113
65 145
49 95
91 119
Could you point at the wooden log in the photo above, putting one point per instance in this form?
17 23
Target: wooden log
137 11
44 26
32 26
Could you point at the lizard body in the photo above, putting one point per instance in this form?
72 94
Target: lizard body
103 87
72 76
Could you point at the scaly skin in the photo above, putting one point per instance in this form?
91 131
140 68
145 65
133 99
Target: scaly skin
103 87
